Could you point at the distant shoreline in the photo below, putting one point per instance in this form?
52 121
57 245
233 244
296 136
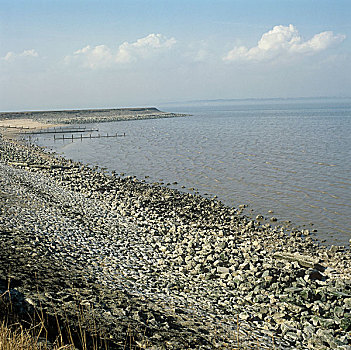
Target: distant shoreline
83 116
74 110
253 99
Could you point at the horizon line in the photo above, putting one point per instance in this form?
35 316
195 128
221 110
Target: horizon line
258 99
147 106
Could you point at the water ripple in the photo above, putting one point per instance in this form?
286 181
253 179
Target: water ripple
295 161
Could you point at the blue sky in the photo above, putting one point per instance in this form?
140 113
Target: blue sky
82 54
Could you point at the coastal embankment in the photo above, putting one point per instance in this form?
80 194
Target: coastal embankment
83 116
154 268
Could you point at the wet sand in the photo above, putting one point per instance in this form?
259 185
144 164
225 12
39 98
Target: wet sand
25 124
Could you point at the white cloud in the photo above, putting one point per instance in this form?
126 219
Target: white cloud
31 53
197 52
26 53
102 56
143 48
283 41
93 57
9 56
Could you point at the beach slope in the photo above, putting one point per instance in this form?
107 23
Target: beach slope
161 268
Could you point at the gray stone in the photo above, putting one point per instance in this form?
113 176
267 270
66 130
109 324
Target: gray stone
223 270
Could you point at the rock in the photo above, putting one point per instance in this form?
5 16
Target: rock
265 274
346 323
303 260
308 329
339 311
315 275
223 270
347 303
244 316
278 317
327 336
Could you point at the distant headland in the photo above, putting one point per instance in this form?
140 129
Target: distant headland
80 116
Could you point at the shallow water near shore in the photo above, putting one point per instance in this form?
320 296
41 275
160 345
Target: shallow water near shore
290 157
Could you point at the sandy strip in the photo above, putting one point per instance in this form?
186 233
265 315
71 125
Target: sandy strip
25 123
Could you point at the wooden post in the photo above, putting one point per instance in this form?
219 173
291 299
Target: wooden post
81 136
90 135
54 137
124 134
72 137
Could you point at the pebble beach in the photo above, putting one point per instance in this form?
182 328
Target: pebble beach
175 270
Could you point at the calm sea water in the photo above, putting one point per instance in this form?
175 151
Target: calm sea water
291 157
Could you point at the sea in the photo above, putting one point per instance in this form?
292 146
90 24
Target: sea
289 159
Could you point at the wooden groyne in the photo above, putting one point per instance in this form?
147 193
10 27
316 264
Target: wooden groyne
90 136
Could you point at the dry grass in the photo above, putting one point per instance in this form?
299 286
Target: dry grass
16 337
39 333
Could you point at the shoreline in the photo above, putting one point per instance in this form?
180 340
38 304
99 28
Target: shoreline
86 116
192 265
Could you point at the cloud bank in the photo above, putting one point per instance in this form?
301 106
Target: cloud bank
102 56
10 56
283 41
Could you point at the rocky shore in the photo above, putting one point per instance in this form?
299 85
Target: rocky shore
159 268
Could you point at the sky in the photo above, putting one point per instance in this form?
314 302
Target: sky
68 54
